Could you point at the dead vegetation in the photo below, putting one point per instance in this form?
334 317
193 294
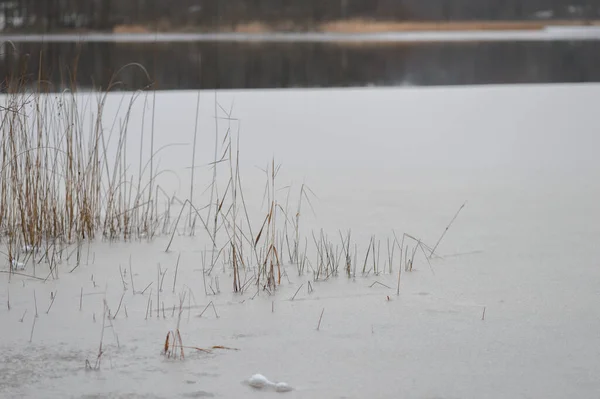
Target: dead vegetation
65 180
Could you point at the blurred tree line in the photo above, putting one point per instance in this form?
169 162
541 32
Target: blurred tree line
56 15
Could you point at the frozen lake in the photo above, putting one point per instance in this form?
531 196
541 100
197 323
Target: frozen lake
523 250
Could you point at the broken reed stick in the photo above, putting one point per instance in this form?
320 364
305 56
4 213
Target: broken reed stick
53 297
131 276
148 305
119 307
122 278
176 268
426 257
214 309
377 282
399 274
320 318
446 229
12 272
157 292
32 328
298 290
148 286
35 303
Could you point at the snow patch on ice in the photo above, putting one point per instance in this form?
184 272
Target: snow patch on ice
259 381
16 265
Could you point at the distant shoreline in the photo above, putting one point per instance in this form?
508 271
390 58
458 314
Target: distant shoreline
343 32
366 26
360 26
348 26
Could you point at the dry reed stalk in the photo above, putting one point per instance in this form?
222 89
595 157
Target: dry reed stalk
391 254
214 309
193 168
211 236
52 298
367 255
162 279
122 279
119 307
176 269
173 346
320 318
213 191
131 276
148 286
32 328
296 293
420 245
412 259
148 306
100 350
383 285
158 292
35 304
204 271
347 255
446 229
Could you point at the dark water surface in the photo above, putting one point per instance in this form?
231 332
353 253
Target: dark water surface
235 65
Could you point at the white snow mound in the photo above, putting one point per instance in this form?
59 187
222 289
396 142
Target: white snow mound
259 381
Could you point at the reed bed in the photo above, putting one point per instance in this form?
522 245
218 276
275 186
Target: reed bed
64 175
65 179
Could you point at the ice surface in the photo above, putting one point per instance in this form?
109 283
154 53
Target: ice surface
525 248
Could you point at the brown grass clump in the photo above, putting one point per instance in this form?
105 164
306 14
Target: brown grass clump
173 347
